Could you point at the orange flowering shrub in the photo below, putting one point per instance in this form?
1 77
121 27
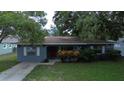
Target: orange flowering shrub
62 53
76 53
68 53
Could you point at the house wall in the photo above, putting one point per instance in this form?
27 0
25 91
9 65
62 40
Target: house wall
6 48
31 58
22 57
102 48
120 46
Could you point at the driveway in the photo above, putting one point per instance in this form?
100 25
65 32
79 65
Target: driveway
18 72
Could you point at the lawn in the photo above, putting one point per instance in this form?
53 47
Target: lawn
7 61
95 71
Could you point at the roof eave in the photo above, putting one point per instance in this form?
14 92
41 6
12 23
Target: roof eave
78 43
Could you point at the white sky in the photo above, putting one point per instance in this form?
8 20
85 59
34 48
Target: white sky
49 17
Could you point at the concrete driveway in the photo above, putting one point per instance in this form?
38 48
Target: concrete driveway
18 72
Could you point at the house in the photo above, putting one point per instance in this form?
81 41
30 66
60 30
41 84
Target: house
8 45
51 44
119 45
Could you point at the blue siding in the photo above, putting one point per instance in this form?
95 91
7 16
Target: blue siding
33 58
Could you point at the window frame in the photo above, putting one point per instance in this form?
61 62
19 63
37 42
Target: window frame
29 52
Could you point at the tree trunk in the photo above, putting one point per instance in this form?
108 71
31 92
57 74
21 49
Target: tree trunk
1 39
2 36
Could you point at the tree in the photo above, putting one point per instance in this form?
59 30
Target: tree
65 21
30 32
38 16
116 24
20 24
91 24
54 31
8 24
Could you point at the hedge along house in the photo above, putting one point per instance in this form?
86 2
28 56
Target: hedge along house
51 44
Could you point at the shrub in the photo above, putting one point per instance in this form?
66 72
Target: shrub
62 53
14 50
113 54
76 54
68 55
88 55
109 55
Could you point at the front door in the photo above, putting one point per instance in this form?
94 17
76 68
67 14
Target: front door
52 52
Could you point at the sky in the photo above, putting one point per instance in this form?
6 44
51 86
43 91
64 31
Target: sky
49 16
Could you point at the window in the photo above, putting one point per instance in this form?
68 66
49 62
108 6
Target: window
32 51
10 45
5 46
117 45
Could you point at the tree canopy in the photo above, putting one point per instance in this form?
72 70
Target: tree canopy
22 25
90 24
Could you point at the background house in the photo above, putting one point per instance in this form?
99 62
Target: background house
49 47
119 45
8 45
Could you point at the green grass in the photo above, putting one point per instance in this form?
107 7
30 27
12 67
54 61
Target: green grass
7 61
95 71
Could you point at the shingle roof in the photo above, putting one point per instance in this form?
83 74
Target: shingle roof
61 39
52 40
10 39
